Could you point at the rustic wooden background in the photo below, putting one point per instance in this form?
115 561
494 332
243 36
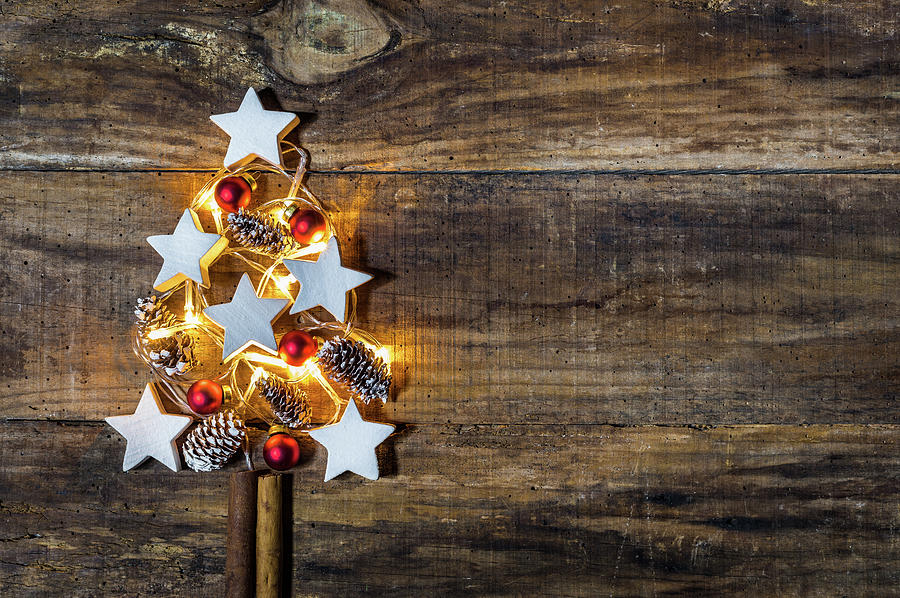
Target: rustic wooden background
638 262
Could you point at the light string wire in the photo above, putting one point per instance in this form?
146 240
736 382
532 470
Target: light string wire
195 300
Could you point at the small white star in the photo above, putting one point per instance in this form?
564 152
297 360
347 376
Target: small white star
325 282
187 253
351 444
255 132
247 319
150 432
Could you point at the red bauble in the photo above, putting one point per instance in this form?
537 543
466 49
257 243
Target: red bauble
281 451
296 347
205 397
233 193
307 226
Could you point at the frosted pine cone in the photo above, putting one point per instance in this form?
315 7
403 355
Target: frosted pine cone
357 367
151 314
172 354
214 441
289 404
259 232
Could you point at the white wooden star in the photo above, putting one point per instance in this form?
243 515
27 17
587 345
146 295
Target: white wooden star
187 253
247 319
351 444
150 432
325 282
255 132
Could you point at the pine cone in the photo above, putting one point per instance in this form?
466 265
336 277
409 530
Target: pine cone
259 232
151 314
214 441
355 366
172 354
289 404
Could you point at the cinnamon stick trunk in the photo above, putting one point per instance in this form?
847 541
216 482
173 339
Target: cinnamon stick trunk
240 554
268 536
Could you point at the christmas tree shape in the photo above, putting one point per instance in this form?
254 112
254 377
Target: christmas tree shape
225 364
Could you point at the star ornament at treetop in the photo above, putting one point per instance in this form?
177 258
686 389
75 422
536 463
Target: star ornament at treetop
255 132
247 319
325 282
187 253
150 432
351 444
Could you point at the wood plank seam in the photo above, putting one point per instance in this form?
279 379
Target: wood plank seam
505 172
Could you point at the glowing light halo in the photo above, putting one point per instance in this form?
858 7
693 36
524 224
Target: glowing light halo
271 281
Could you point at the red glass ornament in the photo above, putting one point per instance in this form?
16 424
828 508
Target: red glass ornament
233 193
205 397
307 226
281 451
296 347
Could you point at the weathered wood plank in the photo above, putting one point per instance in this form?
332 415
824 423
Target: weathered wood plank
540 510
509 299
475 85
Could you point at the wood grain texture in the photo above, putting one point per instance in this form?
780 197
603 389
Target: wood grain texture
580 355
540 510
403 85
508 299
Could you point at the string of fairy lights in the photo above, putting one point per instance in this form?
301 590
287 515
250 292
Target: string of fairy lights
273 279
287 244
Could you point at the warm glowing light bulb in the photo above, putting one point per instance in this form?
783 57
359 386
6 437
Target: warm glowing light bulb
262 358
284 283
257 374
299 372
208 201
296 372
158 333
317 247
